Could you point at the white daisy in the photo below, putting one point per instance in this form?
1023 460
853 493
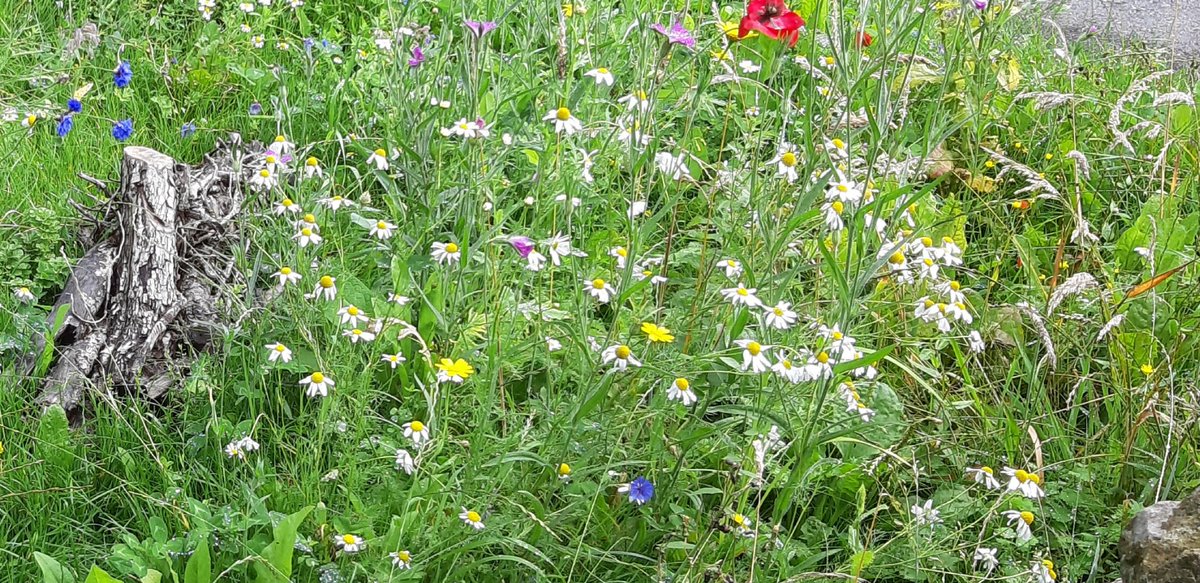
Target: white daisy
599 289
559 246
351 544
732 267
335 202
975 342
278 352
984 475
318 384
24 295
417 431
552 344
681 390
393 359
356 335
742 296
638 100
307 236
676 166
352 315
985 558
925 514
781 317
401 559
383 229
286 276
405 461
788 371
326 287
471 518
602 76
379 159
754 356
786 161
444 253
563 121
287 205
1020 523
620 356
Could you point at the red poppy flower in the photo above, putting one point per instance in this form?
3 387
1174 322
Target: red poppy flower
863 40
773 19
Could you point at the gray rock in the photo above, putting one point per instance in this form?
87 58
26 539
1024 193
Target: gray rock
1162 543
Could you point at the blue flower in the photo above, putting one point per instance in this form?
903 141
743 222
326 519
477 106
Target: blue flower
64 126
122 130
256 108
122 75
640 490
187 130
74 106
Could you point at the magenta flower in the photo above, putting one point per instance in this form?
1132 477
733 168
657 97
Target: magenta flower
981 4
523 245
676 35
417 59
479 28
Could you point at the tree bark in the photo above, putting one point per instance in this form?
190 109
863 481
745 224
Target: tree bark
148 292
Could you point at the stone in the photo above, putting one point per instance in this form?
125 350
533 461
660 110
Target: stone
1162 543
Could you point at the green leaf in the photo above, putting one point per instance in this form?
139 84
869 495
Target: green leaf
279 553
98 575
152 576
199 566
52 570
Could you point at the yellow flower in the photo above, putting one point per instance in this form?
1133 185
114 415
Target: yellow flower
730 28
657 333
570 9
564 470
1147 369
455 370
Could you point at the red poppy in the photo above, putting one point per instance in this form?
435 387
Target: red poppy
773 19
863 40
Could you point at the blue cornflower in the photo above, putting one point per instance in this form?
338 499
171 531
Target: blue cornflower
64 125
122 130
122 75
187 130
255 108
640 490
74 106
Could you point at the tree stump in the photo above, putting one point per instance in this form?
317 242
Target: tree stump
148 293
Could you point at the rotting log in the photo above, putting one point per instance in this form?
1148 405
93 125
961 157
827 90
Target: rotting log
148 295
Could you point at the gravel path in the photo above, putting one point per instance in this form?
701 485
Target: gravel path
1171 24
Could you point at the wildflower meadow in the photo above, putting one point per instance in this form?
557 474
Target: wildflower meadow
604 291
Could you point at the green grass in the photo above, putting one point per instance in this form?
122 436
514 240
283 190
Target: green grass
143 486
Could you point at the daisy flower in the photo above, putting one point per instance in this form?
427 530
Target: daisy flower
1043 570
335 202
263 180
818 367
383 229
754 356
356 335
312 168
352 315
307 236
417 431
552 344
638 100
393 359
602 76
657 333
621 254
975 342
985 558
681 390
401 560
351 544
836 149
1027 483
454 371
925 514
741 296
984 475
286 276
379 160
24 295
405 462
952 290
833 214
676 166
318 384
732 267
643 274
559 246
620 356
286 206
326 287
599 289
788 371
743 523
563 121
445 252
1020 521
785 162
843 190
471 518
278 352
781 317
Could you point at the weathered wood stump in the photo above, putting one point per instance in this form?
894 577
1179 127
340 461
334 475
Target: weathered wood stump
148 293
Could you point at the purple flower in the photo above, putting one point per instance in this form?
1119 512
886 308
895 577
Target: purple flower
417 59
676 35
187 130
122 130
640 490
122 75
981 4
480 28
255 108
523 244
64 126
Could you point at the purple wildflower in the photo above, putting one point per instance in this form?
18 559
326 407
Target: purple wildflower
187 130
417 59
480 28
981 4
676 35
255 108
523 244
122 130
640 490
64 126
122 75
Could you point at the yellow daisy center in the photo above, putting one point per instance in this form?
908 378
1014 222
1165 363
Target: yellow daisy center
348 539
311 161
741 291
473 516
602 70
1035 479
896 259
954 285
285 270
451 247
926 241
1027 516
309 218
287 202
307 232
754 348
417 426
1021 475
264 173
598 283
739 520
838 143
563 114
382 226
929 304
682 384
280 348
318 378
837 206
843 188
987 470
788 159
623 352
622 252
823 358
381 152
731 263
787 364
778 312
353 311
404 556
326 281
280 139
836 336
270 159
